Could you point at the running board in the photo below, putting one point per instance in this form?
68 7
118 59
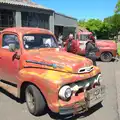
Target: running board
10 88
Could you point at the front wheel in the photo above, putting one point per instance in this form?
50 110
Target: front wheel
106 57
34 100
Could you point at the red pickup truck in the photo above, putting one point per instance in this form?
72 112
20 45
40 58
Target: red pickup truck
108 48
34 69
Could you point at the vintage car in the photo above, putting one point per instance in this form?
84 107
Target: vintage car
34 69
108 48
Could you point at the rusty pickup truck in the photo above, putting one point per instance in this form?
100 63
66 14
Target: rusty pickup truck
34 69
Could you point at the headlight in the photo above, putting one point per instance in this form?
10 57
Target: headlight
65 92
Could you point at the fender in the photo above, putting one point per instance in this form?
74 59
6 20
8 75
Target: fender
37 77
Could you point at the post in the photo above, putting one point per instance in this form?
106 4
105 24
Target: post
76 31
18 20
51 22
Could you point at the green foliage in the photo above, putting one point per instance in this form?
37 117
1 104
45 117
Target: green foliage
117 7
100 28
82 23
94 25
106 29
118 48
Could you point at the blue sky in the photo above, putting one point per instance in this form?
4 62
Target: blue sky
81 9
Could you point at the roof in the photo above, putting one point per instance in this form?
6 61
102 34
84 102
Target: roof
82 29
26 30
65 15
24 4
84 33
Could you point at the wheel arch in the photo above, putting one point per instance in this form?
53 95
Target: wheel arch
106 52
24 86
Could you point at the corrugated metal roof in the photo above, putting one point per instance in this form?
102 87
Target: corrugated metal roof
25 4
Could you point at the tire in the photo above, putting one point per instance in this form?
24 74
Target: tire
34 100
106 57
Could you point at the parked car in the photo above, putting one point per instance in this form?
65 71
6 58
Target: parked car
108 48
34 69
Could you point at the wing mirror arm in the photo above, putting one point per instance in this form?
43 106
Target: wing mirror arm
16 56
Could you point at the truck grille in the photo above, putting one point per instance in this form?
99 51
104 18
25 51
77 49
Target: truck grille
81 86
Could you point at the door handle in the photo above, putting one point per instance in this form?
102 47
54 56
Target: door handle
0 57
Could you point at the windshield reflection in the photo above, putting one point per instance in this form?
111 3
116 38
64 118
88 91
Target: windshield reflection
36 41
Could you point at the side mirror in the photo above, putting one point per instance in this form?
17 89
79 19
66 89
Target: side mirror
16 56
12 47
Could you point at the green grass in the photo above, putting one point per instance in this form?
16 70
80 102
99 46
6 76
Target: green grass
118 48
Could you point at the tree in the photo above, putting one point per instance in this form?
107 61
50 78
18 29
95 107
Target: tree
111 28
105 31
108 19
116 23
82 23
101 28
117 7
94 25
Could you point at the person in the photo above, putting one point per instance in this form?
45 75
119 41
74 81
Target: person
71 44
91 49
60 42
48 42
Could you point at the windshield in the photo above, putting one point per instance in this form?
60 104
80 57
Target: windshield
83 37
36 41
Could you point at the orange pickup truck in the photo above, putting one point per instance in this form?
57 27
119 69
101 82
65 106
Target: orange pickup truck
34 69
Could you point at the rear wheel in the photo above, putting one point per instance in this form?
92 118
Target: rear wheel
106 57
34 100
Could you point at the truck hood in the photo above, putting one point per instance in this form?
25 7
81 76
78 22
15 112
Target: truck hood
54 59
106 43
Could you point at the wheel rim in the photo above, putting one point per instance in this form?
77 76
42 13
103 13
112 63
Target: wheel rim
106 56
30 100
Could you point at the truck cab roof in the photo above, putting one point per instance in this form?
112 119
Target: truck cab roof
26 30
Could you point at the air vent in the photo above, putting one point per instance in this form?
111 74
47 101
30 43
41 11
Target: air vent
85 69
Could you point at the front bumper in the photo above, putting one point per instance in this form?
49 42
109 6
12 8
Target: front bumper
78 107
92 98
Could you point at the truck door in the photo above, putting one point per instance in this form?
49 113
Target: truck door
9 67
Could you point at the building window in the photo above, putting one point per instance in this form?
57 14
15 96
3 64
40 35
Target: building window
6 19
35 20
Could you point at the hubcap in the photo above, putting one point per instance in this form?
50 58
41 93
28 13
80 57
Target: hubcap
106 56
30 100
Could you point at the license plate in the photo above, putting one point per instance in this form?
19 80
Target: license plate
95 96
